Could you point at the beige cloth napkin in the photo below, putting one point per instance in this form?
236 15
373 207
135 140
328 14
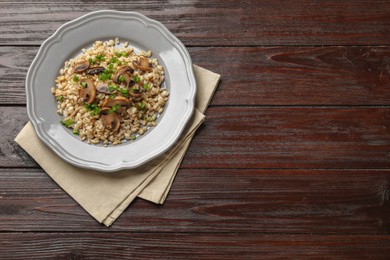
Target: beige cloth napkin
106 195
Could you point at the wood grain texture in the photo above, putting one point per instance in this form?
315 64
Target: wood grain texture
190 246
293 160
306 137
327 202
260 76
217 23
261 137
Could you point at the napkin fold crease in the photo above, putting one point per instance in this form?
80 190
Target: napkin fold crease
106 195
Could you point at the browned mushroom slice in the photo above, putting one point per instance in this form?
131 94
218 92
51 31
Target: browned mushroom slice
87 93
95 70
123 78
104 88
134 94
123 71
121 101
80 66
110 120
143 64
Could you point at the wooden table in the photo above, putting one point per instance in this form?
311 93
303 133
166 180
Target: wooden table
293 159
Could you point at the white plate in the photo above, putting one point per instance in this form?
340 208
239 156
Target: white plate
143 34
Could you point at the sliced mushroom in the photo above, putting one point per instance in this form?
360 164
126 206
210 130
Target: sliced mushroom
104 88
131 83
95 70
126 78
80 66
110 120
122 101
88 93
123 71
143 64
135 94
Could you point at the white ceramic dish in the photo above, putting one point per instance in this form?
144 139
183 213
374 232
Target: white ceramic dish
142 33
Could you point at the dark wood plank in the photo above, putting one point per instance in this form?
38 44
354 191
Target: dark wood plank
260 76
298 137
190 246
12 120
261 137
268 201
218 22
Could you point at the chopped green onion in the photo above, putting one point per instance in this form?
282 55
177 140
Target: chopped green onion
60 98
75 78
121 53
84 84
121 78
113 60
125 92
67 122
119 63
136 78
93 109
142 105
133 137
111 96
92 61
100 57
112 87
105 76
146 86
114 108
75 132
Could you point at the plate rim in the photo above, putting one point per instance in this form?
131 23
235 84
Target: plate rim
56 37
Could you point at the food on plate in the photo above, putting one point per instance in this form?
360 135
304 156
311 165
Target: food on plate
110 93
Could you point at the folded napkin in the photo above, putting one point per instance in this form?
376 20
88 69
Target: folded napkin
106 195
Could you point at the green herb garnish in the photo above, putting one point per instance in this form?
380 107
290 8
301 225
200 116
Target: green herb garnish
121 78
67 122
76 78
121 53
60 98
142 105
133 137
114 108
93 109
136 78
113 60
75 132
92 61
84 84
125 92
146 86
100 57
105 76
111 96
112 87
